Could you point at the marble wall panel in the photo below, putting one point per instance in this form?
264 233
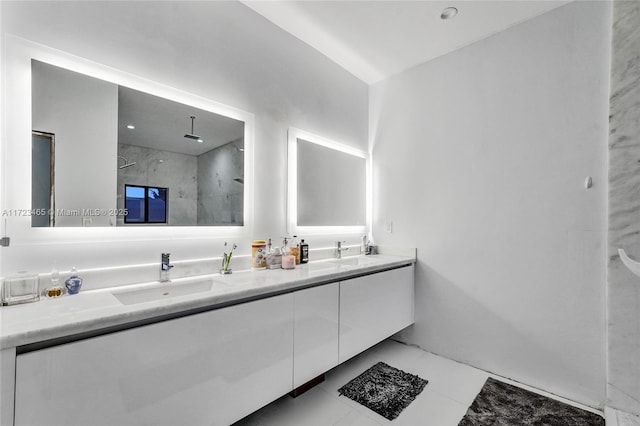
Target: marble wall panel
623 387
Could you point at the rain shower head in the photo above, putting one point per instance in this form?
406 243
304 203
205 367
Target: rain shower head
192 135
126 163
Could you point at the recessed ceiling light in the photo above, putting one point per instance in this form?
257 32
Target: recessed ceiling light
131 126
448 13
200 140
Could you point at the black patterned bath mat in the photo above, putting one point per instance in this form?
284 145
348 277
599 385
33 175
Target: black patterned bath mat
384 389
502 404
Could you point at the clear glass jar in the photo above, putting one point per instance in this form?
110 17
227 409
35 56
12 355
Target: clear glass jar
20 288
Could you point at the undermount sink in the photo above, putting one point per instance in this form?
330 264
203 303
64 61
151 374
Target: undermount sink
162 291
354 261
319 266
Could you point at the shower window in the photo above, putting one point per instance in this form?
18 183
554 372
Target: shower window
145 204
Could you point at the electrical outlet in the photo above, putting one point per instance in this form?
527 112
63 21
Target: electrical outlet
388 226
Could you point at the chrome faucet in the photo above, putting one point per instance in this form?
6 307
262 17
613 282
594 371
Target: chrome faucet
340 249
165 267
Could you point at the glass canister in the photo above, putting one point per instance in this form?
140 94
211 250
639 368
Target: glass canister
258 254
20 288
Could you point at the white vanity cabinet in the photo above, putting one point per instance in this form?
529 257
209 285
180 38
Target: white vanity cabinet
315 349
210 368
374 307
207 368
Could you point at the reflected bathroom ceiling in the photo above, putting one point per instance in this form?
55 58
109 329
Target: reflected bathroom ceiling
161 124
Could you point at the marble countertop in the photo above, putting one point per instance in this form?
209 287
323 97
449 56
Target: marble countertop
99 309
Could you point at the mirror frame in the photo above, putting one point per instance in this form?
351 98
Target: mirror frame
292 185
16 155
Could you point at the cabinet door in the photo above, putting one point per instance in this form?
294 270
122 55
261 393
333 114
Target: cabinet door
7 385
211 368
315 332
373 308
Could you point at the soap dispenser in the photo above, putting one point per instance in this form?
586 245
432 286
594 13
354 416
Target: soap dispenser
295 249
288 260
274 257
74 282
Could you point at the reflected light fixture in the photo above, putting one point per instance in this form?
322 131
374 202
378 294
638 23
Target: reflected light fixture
192 135
131 126
448 13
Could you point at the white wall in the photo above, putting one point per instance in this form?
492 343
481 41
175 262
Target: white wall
479 160
219 50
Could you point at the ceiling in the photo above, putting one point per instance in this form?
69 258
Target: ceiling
376 39
161 124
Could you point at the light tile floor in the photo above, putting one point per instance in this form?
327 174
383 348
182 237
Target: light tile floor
626 419
620 418
451 389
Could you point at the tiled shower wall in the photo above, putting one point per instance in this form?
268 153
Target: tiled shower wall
203 190
221 185
165 169
624 210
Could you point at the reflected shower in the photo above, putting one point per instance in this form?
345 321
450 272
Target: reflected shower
126 163
192 135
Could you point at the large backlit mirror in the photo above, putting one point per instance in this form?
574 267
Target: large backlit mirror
327 185
108 155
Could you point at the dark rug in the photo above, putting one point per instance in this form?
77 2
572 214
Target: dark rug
502 404
384 389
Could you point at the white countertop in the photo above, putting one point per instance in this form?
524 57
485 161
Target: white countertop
98 309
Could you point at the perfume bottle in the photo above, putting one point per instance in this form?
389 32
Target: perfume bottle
55 289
